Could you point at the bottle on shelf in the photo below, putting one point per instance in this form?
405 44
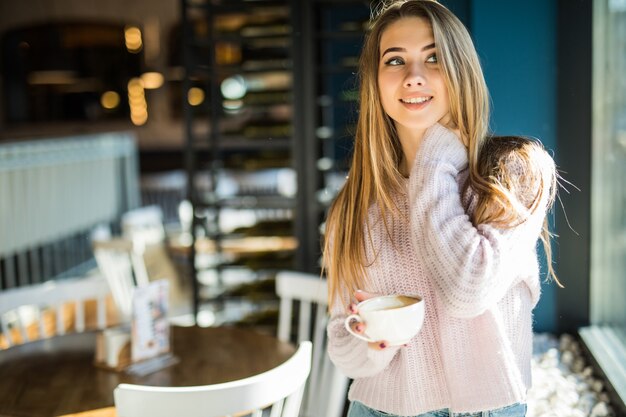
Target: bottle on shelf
237 86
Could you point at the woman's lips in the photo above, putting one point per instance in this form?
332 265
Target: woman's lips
416 103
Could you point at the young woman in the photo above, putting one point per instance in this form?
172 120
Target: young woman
435 206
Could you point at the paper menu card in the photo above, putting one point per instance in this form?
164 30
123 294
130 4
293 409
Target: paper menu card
150 329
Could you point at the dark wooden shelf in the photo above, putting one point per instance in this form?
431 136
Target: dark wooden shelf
332 35
232 143
233 6
336 69
252 201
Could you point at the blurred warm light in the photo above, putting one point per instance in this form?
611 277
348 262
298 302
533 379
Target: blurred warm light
137 102
51 77
152 80
138 105
135 83
132 36
227 53
110 100
139 119
136 99
195 96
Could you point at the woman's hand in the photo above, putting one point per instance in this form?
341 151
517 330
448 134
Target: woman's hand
359 327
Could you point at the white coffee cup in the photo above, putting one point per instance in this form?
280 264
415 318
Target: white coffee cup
392 318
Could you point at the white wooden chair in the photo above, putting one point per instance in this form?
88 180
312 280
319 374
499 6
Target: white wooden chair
280 387
127 264
23 307
123 266
138 257
326 392
144 224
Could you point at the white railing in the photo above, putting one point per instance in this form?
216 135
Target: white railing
53 189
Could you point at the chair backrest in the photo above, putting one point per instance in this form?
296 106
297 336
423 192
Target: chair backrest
280 387
23 308
326 392
122 265
144 224
131 263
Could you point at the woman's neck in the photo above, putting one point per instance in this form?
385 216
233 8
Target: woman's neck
410 140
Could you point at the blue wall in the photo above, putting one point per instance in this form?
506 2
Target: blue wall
516 41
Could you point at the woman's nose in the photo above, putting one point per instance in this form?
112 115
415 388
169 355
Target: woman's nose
414 77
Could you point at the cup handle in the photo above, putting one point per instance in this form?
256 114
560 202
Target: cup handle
358 318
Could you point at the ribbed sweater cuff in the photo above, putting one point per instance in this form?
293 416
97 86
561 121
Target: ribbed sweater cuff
441 144
354 357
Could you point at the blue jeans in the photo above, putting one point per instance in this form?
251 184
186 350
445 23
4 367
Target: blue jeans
357 409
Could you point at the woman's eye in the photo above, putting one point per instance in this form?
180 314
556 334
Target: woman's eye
432 59
394 61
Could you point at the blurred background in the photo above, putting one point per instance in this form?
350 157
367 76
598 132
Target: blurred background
224 128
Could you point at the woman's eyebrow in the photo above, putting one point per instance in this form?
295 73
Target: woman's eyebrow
399 49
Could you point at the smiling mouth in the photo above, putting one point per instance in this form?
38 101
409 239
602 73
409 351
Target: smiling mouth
416 100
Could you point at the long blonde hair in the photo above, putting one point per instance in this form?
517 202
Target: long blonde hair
374 175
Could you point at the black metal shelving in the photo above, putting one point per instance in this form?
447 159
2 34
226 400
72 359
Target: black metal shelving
324 39
251 134
338 31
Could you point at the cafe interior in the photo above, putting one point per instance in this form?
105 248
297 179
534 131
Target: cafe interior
166 167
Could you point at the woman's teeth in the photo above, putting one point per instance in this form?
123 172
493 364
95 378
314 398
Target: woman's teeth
416 100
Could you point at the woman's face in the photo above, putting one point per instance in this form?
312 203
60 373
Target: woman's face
410 82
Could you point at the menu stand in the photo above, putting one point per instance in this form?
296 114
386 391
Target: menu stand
144 346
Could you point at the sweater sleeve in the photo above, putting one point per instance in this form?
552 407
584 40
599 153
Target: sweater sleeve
352 356
471 267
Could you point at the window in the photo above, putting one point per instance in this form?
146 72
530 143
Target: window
606 337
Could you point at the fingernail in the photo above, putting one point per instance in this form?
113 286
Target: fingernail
383 345
359 290
352 308
359 328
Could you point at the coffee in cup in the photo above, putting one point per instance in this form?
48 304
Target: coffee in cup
393 318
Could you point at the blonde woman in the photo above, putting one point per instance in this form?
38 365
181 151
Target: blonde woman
434 205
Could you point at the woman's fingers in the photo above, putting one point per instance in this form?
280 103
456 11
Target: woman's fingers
358 327
381 345
364 295
360 296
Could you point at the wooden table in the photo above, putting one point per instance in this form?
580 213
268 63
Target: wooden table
56 376
237 246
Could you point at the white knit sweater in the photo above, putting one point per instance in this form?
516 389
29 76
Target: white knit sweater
479 284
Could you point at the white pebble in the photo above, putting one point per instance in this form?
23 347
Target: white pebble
578 365
563 384
567 358
565 341
586 403
597 385
599 410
